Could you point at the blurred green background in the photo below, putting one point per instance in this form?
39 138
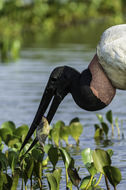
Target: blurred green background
26 23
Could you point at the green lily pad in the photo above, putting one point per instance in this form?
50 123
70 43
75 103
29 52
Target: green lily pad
76 130
9 124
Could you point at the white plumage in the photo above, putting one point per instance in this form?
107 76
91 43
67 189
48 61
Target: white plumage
111 52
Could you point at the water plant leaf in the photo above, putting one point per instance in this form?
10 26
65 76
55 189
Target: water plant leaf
21 131
101 158
74 177
6 134
76 130
85 181
100 118
64 133
66 157
55 132
10 125
54 179
53 155
99 133
113 174
105 128
14 142
37 155
87 155
109 116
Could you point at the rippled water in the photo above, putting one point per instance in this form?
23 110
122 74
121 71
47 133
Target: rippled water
22 85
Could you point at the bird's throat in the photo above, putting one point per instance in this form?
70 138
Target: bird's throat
100 85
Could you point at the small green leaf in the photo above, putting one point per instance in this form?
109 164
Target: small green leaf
109 116
105 128
113 174
6 134
55 132
21 131
37 155
99 133
53 155
74 177
100 118
87 155
54 179
96 126
3 161
9 124
101 158
76 130
66 157
64 133
85 181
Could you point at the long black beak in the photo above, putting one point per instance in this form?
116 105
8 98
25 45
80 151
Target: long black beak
46 99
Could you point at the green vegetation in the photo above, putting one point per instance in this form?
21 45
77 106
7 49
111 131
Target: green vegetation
24 23
29 169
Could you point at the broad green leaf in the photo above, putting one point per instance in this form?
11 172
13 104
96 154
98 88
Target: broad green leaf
64 133
6 134
76 119
100 118
66 157
13 142
101 158
37 155
113 174
21 131
3 180
87 155
109 116
74 177
53 155
76 130
29 168
52 182
47 147
55 132
38 169
69 185
57 175
54 179
85 182
105 128
9 124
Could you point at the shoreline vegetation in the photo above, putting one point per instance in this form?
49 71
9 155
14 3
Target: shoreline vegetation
35 22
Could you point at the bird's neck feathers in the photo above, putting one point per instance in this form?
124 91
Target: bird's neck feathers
100 85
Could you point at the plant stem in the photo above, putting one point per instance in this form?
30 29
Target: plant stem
40 184
112 129
66 177
89 184
107 185
98 180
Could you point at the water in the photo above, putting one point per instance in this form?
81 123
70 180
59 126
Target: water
22 85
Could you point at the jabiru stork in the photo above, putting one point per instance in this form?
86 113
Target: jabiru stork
92 89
